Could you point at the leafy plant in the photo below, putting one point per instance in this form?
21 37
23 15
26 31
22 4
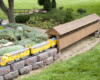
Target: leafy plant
22 18
47 5
9 49
69 16
53 3
81 11
3 41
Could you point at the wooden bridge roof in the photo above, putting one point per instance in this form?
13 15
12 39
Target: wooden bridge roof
67 27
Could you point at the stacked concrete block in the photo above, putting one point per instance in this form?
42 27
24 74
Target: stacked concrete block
17 65
38 65
25 66
31 60
1 78
25 70
48 61
11 75
4 70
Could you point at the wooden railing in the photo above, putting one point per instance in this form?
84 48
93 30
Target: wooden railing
22 11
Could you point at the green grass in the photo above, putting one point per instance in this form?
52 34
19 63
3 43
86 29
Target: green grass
92 6
85 66
1 27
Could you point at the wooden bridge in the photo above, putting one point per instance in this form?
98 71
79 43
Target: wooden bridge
73 31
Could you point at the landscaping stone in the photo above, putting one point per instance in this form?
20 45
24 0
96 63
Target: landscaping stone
38 65
31 60
42 56
56 56
1 78
25 70
17 65
11 75
8 44
4 70
51 52
48 61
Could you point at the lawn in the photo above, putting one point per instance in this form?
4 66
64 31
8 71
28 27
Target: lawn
85 66
92 6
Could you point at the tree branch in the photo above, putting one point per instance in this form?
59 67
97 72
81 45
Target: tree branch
3 7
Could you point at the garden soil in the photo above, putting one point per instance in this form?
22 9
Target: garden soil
81 46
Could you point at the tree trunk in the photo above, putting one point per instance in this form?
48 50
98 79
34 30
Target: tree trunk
8 11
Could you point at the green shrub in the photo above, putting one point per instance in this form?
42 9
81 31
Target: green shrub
7 34
3 41
41 2
48 20
47 5
81 11
69 16
61 7
53 3
9 49
22 18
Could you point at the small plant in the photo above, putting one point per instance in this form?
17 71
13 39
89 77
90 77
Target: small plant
9 49
22 18
41 2
81 11
47 5
53 3
69 15
3 41
61 7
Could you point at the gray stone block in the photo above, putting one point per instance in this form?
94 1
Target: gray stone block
11 75
38 65
42 56
25 70
48 61
17 65
31 60
4 70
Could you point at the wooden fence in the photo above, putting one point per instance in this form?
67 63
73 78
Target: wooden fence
22 11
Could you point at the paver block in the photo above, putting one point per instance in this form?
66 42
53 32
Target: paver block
11 75
42 56
1 78
31 60
17 65
4 70
38 65
48 61
25 70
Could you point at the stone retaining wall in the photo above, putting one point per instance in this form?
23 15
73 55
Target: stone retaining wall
25 66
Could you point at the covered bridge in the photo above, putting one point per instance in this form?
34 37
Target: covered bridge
73 31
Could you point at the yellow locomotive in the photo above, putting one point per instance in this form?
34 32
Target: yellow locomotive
11 57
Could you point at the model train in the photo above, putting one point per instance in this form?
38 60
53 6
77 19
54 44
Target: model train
11 57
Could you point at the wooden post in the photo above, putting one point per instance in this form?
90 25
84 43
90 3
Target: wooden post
58 45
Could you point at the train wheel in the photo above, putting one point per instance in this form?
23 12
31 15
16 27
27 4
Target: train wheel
10 62
17 59
47 50
24 57
36 54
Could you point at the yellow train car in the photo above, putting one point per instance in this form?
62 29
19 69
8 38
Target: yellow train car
53 42
14 56
39 47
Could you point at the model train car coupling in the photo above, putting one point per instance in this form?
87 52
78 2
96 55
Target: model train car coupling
11 57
